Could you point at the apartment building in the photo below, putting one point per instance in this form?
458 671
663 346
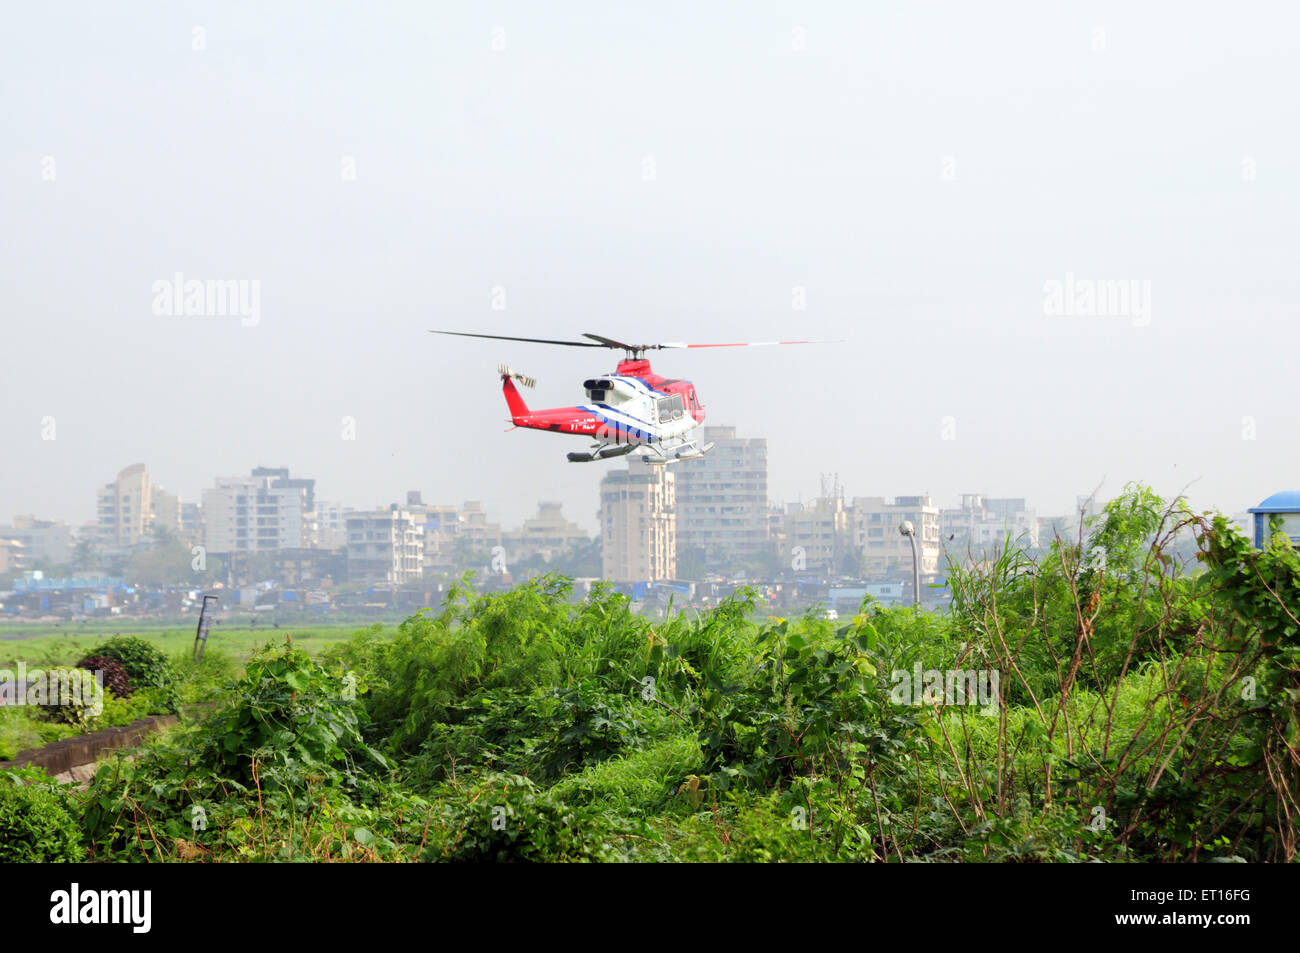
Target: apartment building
385 546
43 541
331 530
548 534
258 513
887 553
452 533
166 512
13 557
638 523
722 501
982 523
124 508
191 531
818 535
473 526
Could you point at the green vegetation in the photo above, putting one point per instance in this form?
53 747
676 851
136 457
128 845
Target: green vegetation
1124 707
36 822
63 644
137 680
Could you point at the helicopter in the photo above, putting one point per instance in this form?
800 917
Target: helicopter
631 410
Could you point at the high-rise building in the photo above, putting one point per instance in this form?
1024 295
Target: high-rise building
818 535
722 501
191 523
280 479
166 512
441 530
331 525
124 510
257 513
130 509
385 546
887 553
638 517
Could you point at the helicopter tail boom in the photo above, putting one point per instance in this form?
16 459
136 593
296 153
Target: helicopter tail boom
513 398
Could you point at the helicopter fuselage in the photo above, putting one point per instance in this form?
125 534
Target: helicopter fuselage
633 407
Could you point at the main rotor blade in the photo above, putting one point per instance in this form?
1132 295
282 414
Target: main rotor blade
610 342
503 337
598 340
753 343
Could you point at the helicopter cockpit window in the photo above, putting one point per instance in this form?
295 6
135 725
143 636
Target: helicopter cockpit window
670 408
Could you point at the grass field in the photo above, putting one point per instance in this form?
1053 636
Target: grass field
65 644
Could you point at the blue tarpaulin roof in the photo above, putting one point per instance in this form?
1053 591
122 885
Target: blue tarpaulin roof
1288 501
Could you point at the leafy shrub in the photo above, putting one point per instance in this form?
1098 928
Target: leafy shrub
207 680
22 728
509 818
744 827
72 696
293 718
145 663
640 781
123 711
590 725
493 730
37 820
116 679
288 748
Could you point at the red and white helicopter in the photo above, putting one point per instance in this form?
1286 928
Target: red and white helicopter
630 409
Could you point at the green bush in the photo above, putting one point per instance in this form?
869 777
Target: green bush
287 749
207 680
22 728
145 664
37 820
508 818
73 696
113 672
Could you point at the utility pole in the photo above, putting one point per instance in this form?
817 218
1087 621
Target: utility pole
908 530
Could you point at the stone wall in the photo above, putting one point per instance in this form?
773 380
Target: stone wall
60 757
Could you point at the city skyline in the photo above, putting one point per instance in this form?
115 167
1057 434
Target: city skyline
525 505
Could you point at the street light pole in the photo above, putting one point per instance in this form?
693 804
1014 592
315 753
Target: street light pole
908 530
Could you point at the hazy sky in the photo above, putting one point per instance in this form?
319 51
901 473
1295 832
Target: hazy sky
922 171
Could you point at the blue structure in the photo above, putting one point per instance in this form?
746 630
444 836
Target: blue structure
1286 507
37 582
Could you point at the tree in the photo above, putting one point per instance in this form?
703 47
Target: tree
579 562
252 567
465 555
691 563
853 563
167 565
85 556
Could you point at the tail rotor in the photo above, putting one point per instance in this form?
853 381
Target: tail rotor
507 374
